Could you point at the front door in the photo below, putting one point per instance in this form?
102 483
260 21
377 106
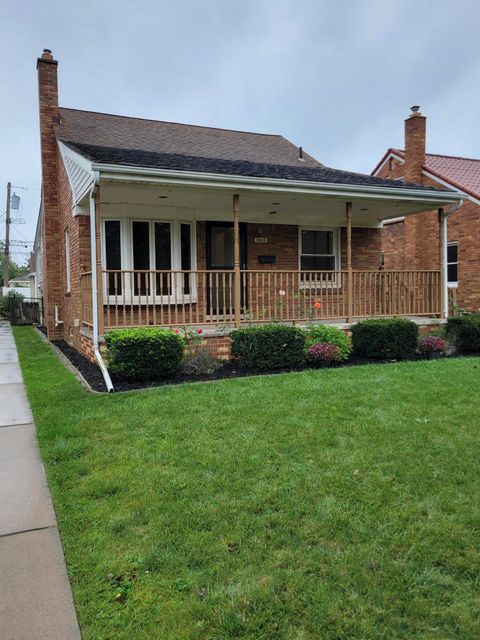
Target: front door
220 258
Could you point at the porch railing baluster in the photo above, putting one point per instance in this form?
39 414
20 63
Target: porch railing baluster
169 298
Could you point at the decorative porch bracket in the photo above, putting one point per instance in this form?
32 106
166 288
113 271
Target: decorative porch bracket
236 260
348 211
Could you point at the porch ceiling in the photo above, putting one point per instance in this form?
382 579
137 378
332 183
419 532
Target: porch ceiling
273 206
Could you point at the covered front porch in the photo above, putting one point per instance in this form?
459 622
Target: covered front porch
181 255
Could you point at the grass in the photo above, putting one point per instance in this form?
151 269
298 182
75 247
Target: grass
338 504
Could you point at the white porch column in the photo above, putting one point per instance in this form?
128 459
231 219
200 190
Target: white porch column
236 259
442 219
348 211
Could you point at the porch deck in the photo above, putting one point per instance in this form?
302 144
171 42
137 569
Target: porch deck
208 298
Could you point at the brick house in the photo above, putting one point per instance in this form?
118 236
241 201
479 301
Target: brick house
412 242
212 228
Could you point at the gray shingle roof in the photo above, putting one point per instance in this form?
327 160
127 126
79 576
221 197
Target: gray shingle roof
135 142
121 132
141 158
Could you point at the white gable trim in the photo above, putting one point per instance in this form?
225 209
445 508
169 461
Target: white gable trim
390 155
80 175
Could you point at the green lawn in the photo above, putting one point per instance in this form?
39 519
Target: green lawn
331 504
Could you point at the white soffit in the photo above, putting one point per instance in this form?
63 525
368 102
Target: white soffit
79 171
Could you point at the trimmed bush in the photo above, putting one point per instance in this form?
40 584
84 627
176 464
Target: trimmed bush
269 347
144 354
385 338
323 352
323 333
464 332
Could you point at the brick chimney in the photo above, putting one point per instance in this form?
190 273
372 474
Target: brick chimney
415 141
49 114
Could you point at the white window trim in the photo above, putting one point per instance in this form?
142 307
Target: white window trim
453 284
68 275
126 259
336 251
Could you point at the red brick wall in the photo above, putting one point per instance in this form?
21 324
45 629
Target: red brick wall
78 228
464 228
366 248
414 243
282 242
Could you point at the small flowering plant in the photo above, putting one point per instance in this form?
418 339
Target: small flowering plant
322 353
432 344
192 336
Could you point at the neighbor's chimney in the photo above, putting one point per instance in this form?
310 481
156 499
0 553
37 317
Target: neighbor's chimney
49 115
415 137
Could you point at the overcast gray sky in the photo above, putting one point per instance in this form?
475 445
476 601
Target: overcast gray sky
336 77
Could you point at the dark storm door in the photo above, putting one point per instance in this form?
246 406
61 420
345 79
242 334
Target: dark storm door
220 257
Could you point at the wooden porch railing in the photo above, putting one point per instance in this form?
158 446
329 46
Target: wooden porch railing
86 298
177 298
396 293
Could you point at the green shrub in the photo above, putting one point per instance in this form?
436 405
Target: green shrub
385 338
268 347
323 333
464 332
144 354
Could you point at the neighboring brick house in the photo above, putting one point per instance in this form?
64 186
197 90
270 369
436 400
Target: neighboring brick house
413 242
211 228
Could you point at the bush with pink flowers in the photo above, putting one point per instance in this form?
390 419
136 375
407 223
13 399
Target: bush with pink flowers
432 344
323 352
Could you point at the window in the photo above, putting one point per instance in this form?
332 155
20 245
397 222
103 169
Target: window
149 246
113 256
452 264
317 250
141 255
186 254
67 261
163 256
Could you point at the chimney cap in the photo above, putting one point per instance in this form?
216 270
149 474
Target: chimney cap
46 57
415 108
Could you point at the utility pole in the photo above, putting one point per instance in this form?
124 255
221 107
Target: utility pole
6 259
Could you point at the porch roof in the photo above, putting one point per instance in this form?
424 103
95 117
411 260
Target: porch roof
179 162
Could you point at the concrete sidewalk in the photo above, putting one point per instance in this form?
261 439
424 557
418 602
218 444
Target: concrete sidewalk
35 596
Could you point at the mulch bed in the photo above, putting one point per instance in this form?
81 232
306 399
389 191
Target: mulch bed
92 374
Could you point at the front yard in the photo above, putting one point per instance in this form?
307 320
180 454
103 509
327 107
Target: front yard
330 504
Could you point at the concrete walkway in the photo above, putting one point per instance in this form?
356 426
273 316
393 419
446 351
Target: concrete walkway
35 596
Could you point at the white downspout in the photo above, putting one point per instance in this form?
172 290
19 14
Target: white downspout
444 241
93 249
